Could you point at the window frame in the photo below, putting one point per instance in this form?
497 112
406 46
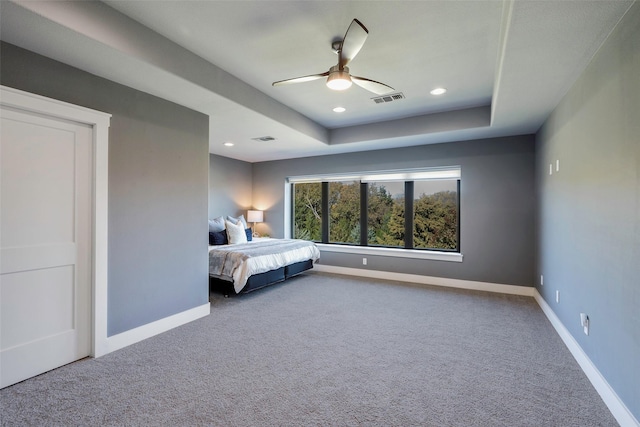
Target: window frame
405 175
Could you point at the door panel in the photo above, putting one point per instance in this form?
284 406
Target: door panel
38 194
45 244
42 304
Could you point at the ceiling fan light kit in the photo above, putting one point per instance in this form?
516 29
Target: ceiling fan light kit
338 77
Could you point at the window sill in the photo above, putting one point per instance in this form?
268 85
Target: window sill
392 252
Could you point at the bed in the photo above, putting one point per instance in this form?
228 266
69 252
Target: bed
244 267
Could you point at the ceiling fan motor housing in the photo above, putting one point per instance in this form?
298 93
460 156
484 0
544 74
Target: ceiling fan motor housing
336 46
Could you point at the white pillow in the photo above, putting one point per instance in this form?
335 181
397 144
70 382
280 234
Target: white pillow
235 233
238 219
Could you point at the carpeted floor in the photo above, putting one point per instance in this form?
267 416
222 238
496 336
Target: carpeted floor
328 350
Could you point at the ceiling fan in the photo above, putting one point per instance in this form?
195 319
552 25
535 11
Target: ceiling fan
338 77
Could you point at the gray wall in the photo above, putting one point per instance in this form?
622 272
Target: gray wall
158 170
230 186
497 205
589 211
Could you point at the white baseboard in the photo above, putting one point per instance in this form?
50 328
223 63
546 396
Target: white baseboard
116 342
427 280
617 407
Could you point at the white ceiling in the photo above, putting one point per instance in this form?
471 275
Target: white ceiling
506 64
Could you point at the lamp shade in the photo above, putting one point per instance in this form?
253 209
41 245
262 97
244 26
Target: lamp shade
255 216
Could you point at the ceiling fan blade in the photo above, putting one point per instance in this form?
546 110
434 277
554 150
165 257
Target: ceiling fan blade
353 41
300 79
372 85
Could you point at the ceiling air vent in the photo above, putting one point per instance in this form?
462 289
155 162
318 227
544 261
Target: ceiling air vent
388 98
264 138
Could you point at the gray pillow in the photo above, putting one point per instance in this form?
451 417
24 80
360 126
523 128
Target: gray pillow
236 219
216 225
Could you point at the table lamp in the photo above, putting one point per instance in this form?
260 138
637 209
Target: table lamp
255 216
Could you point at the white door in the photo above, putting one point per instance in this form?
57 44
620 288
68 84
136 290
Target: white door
45 242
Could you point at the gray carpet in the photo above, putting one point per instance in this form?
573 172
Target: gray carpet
328 350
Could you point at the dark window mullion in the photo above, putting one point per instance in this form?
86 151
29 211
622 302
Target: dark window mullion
325 212
293 210
408 214
458 225
364 203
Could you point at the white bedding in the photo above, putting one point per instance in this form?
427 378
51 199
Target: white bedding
240 261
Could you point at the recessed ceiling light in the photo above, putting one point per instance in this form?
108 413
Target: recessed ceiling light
228 144
438 91
339 109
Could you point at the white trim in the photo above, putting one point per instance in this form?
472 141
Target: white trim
100 237
434 173
392 252
617 407
100 122
427 280
287 210
132 336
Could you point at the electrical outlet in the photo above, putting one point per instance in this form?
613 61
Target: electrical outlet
557 296
541 280
584 321
364 261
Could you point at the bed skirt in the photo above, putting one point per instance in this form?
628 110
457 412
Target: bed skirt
258 281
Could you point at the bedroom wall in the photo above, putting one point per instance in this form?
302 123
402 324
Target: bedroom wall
497 205
230 186
589 211
158 170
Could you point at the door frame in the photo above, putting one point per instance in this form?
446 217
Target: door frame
99 122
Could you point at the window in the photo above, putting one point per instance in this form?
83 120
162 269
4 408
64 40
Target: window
344 212
435 215
307 205
409 209
385 214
